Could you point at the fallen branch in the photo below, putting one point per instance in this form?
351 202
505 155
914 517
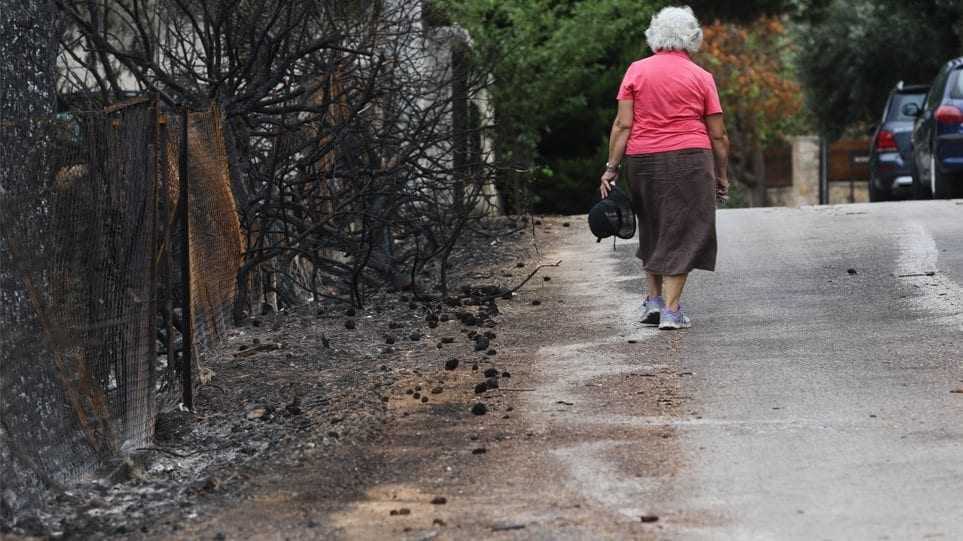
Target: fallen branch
523 282
917 274
183 455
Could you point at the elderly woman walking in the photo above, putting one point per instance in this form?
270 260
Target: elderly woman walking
670 142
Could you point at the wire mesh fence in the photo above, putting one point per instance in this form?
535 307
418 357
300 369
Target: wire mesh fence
95 311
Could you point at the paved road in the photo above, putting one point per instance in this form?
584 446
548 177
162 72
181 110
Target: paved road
812 399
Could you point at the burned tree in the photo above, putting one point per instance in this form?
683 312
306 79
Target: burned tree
355 158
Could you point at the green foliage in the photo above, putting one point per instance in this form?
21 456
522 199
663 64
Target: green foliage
556 66
854 51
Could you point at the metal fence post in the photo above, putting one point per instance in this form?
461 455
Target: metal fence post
187 360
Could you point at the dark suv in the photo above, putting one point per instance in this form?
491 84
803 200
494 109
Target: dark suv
938 136
891 151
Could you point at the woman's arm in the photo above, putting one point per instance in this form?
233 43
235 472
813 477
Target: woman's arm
621 128
719 138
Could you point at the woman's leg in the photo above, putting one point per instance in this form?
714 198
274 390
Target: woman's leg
672 287
653 284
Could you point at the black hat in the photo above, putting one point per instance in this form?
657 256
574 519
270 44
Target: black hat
613 216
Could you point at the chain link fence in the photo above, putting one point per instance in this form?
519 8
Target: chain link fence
95 262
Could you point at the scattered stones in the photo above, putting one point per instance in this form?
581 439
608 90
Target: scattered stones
416 396
852 272
491 372
410 391
439 500
566 224
474 367
536 302
491 352
649 518
448 340
506 374
349 324
438 522
480 388
414 337
424 399
490 335
451 364
400 512
389 340
479 451
479 408
520 265
547 278
394 325
256 412
437 390
350 312
491 383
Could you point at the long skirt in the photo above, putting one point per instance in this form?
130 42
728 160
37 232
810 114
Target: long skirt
674 197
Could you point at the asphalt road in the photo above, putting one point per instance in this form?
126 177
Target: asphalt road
812 398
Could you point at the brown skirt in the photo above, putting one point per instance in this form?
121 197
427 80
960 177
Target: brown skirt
674 198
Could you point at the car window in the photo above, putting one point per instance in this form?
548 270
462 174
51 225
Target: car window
956 91
899 101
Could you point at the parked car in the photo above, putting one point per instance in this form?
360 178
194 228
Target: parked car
938 136
891 149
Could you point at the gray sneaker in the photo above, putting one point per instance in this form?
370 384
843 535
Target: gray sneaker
651 307
669 320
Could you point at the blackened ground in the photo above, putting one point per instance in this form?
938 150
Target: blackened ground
304 395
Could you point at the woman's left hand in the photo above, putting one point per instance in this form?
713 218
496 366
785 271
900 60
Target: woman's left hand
608 178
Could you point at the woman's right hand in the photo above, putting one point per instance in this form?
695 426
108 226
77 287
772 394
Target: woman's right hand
722 189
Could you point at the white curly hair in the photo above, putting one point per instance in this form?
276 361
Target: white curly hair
674 29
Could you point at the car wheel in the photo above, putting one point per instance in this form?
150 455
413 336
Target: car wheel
875 194
920 190
942 183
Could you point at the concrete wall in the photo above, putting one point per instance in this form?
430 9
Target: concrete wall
805 180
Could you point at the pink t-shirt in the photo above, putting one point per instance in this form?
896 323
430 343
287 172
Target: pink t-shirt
672 96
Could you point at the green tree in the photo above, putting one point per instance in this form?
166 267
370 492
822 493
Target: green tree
556 67
854 51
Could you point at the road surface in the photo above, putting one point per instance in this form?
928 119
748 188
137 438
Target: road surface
814 398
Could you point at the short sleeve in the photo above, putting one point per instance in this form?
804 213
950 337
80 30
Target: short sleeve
627 88
712 106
